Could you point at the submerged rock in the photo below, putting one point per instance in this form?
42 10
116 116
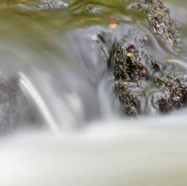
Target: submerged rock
16 112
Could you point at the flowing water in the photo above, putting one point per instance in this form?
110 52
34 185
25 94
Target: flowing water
60 121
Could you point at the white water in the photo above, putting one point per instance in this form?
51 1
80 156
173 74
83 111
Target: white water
29 89
106 153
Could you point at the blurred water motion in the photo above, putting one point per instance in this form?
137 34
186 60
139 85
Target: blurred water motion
104 154
59 120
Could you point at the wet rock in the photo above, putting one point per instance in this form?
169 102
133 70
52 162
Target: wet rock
131 63
143 83
160 22
130 96
45 4
162 25
173 86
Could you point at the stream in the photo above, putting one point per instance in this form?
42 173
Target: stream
61 122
